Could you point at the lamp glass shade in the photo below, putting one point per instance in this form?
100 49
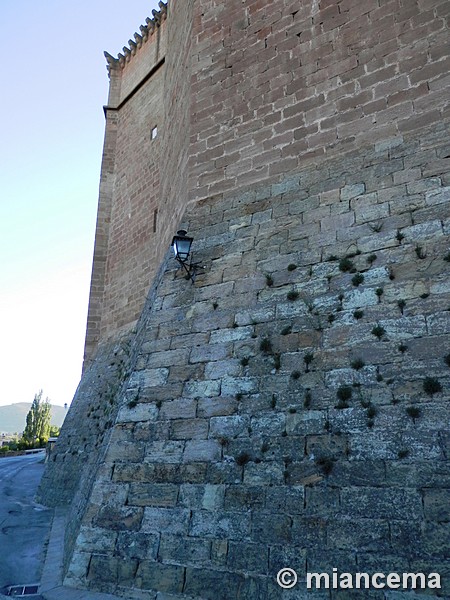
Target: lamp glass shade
181 245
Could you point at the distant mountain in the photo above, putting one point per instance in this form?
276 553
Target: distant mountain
13 417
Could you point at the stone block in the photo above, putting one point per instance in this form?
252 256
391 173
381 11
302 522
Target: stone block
321 501
202 389
182 408
438 323
187 429
404 327
359 298
262 216
156 494
182 550
210 352
131 452
248 557
119 518
229 427
438 196
374 445
138 545
423 231
97 540
103 569
352 191
272 528
256 315
285 499
435 538
208 497
336 222
172 521
153 575
222 368
242 498
263 474
164 452
202 451
223 525
327 445
152 377
239 385
350 533
304 423
268 425
168 358
203 583
213 407
341 377
436 504
141 412
381 503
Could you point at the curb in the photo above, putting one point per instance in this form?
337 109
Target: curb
52 587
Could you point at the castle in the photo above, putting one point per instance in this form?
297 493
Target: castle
290 406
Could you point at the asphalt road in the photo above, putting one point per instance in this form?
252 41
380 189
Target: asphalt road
24 525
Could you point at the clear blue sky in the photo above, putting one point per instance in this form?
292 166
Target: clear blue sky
54 85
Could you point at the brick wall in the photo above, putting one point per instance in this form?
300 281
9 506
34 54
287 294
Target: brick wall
279 84
176 137
125 255
130 263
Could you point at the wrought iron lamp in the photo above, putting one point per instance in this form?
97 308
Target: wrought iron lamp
181 245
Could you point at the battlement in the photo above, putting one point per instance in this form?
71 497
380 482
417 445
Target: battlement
147 31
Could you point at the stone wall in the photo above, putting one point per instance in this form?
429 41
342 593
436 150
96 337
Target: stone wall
291 407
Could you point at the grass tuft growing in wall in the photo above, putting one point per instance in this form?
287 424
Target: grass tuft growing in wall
346 265
357 279
325 464
413 411
277 361
266 346
399 236
357 364
431 386
420 252
378 331
307 400
242 459
307 359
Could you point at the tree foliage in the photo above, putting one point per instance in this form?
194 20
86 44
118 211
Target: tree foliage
38 420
